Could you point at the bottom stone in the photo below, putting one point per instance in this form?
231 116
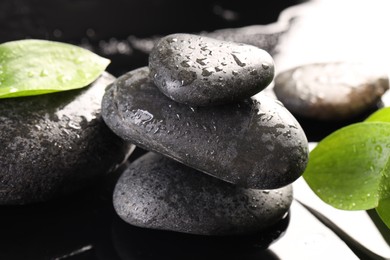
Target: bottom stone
159 193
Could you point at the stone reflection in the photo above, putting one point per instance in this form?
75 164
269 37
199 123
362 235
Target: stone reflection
131 242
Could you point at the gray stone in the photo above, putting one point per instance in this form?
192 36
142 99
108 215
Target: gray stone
255 143
200 71
55 144
159 193
331 91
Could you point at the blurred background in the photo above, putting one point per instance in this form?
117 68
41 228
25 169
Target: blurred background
116 29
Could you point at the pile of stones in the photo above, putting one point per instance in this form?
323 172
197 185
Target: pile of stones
221 157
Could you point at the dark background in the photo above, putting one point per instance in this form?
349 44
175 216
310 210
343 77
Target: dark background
115 28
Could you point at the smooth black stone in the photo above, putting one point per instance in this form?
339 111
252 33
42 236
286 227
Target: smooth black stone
159 193
200 71
331 91
55 144
255 143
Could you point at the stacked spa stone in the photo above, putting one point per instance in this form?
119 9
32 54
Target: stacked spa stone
221 159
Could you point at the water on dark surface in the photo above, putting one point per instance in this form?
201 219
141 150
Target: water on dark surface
85 226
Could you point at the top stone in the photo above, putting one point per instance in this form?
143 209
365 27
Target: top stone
201 71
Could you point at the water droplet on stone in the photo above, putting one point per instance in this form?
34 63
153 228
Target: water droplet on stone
202 61
218 69
207 72
265 65
238 61
74 125
186 63
172 40
142 117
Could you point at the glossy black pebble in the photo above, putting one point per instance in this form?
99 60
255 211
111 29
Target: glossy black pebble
255 143
54 144
159 193
200 71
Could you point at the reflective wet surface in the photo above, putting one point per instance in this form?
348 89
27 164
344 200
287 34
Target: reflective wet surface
86 227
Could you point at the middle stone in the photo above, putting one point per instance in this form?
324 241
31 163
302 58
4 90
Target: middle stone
201 71
254 143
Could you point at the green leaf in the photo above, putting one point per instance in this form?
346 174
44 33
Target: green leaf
382 115
349 169
33 67
383 211
383 208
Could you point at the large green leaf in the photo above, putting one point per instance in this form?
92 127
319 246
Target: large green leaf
349 169
33 67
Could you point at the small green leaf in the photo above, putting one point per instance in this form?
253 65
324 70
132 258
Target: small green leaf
349 169
33 67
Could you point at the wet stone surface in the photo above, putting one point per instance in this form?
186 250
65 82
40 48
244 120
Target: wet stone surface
55 144
160 193
331 91
200 71
255 143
